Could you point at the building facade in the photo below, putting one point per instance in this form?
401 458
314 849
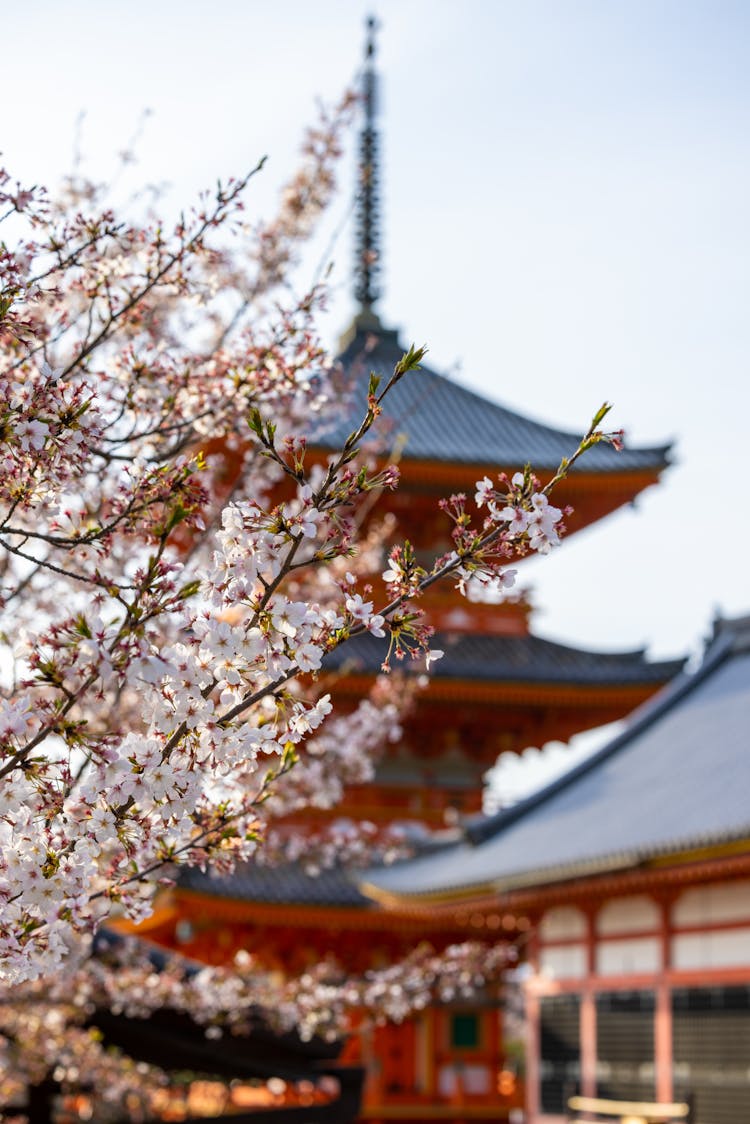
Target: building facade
633 872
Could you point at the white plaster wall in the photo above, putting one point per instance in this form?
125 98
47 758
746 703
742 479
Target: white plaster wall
628 915
561 924
473 1079
567 962
723 901
728 949
627 957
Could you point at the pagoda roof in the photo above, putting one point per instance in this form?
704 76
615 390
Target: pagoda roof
286 884
514 659
446 422
675 781
293 883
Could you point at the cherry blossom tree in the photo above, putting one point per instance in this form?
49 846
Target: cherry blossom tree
177 558
49 1026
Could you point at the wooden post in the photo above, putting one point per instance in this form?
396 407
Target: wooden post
588 1043
428 1046
494 1046
533 1052
532 1005
588 1012
663 1013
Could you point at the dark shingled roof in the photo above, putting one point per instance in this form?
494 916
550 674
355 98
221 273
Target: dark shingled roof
289 884
447 422
514 659
677 779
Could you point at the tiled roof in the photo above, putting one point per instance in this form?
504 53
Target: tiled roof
677 779
444 421
289 884
514 659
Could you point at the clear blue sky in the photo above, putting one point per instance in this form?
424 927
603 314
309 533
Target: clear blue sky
566 199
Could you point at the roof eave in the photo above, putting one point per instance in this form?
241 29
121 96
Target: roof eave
663 856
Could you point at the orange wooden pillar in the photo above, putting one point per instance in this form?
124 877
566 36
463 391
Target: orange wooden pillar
588 1013
494 1048
663 1049
373 1066
533 1035
431 1047
588 1043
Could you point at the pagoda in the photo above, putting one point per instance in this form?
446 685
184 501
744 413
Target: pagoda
499 688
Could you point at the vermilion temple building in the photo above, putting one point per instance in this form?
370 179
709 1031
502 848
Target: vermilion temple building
500 687
633 870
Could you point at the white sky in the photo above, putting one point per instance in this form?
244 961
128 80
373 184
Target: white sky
565 217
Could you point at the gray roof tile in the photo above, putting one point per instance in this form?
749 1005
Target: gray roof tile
515 659
444 421
288 884
291 884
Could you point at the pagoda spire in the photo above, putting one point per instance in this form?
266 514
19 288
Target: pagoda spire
367 264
